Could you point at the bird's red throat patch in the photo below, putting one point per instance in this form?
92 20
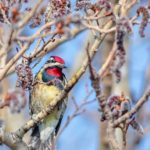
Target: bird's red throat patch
54 72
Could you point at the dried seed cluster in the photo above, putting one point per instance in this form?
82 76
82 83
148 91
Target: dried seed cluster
15 100
105 4
97 6
145 19
123 26
57 9
10 11
25 76
120 105
80 4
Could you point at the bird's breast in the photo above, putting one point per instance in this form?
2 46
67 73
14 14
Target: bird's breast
43 95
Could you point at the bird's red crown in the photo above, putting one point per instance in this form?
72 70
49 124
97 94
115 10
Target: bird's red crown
58 59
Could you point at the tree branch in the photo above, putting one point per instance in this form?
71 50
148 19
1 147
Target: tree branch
138 105
32 122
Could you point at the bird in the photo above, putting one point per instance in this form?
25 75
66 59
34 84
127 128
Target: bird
49 82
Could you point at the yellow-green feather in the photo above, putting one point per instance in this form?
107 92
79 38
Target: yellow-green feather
43 95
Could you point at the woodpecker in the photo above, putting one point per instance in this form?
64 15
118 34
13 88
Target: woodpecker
49 82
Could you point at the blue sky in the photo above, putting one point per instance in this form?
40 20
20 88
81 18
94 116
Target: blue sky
83 131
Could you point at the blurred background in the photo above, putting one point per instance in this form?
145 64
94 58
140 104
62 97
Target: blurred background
85 131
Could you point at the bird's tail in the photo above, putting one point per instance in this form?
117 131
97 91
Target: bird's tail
37 143
34 142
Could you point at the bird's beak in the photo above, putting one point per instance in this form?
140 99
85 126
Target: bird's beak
64 66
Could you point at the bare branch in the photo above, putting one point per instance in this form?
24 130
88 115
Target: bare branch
20 132
138 105
29 15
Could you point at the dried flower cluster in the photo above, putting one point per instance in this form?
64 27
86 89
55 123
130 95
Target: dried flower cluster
38 17
120 105
145 19
57 9
25 76
3 12
97 6
122 27
15 100
83 4
10 11
105 4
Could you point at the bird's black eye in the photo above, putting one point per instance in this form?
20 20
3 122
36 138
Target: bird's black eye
51 60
